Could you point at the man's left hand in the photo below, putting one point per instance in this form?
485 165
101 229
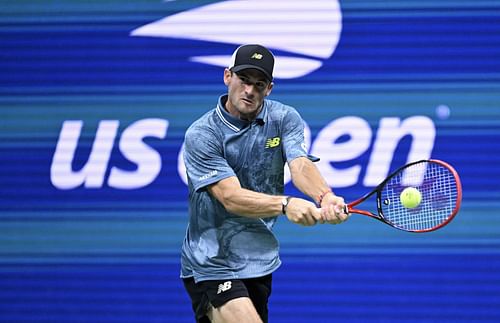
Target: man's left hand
332 209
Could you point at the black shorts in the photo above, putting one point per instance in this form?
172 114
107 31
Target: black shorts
217 292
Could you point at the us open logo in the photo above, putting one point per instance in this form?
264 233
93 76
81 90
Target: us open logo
299 46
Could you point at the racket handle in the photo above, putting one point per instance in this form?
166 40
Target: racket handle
346 209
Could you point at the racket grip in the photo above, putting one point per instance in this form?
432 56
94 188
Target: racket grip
346 209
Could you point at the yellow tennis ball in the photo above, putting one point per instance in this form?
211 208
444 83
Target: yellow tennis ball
410 197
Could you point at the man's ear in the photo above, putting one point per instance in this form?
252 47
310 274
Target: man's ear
227 76
269 88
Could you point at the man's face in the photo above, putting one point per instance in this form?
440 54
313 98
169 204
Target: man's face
246 90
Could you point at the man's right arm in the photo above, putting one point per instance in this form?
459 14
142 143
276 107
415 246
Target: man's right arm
244 202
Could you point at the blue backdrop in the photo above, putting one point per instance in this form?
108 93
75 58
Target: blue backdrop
95 97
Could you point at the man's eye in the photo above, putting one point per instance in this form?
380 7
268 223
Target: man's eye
260 85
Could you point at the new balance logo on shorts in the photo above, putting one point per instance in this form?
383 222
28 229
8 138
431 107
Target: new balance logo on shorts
224 287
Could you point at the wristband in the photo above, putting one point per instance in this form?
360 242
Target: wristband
322 195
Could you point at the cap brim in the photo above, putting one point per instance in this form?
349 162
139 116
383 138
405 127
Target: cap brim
240 68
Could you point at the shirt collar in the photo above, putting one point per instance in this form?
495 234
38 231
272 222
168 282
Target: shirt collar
234 123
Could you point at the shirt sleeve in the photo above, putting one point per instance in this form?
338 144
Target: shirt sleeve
203 157
293 136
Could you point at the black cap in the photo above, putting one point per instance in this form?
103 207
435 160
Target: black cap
253 56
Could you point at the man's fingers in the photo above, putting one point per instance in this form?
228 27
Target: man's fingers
305 219
312 216
334 214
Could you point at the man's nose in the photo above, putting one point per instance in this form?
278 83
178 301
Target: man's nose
250 88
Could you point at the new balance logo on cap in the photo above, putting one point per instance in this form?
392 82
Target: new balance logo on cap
257 56
224 287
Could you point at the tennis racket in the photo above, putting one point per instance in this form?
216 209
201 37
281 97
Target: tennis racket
441 194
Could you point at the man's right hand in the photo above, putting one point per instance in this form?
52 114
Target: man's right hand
303 212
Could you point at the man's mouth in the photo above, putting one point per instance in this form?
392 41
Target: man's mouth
247 101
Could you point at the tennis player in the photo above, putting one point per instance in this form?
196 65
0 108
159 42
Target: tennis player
235 156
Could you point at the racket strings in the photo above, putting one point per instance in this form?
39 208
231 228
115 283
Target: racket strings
438 189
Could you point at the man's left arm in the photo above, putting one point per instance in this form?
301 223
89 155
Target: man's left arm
307 178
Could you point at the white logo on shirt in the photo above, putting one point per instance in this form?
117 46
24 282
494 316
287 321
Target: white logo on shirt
208 175
303 145
224 287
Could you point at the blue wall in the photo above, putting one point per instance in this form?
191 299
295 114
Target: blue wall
101 244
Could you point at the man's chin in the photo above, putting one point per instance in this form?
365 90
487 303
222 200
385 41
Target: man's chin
246 109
